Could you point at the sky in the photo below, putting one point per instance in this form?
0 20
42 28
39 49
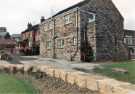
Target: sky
15 14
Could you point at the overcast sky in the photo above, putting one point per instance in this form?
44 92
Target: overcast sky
15 14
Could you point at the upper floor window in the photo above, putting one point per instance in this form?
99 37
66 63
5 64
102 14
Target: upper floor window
91 18
67 19
50 25
74 40
60 43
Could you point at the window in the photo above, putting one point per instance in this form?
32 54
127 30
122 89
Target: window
91 18
49 44
128 40
74 40
67 19
50 25
131 50
60 43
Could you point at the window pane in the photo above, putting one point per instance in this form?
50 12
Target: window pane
91 18
67 19
60 43
49 45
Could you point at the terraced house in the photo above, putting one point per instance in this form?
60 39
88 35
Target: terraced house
30 40
90 30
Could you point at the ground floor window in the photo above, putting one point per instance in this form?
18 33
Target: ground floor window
60 43
132 51
49 44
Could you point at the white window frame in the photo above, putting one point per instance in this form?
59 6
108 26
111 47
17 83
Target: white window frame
49 44
60 43
91 19
74 41
67 19
128 40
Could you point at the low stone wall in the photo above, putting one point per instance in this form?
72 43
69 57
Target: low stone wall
92 82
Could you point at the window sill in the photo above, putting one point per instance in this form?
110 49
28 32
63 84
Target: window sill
68 24
60 48
48 48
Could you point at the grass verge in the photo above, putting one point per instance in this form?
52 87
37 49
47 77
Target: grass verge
11 85
107 70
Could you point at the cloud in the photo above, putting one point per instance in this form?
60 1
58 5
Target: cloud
15 14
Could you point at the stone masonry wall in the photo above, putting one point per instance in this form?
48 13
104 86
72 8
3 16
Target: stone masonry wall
66 32
88 36
95 83
109 30
101 39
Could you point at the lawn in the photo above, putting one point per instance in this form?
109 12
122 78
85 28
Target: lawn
11 85
107 70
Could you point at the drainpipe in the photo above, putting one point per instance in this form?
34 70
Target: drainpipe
77 27
77 34
53 50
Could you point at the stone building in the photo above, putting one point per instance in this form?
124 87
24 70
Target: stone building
89 30
30 40
7 44
3 29
129 40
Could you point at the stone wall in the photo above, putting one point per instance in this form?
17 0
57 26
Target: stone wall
109 30
100 84
101 39
67 32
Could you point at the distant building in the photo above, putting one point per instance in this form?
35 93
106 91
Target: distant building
4 35
30 40
7 45
6 42
91 30
129 41
16 37
3 29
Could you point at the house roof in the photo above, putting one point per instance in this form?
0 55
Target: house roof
130 32
16 35
81 4
33 28
3 34
73 6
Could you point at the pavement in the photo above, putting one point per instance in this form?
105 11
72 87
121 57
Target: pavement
63 64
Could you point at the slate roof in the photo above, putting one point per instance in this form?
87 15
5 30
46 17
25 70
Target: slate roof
71 7
81 3
130 32
34 28
3 34
16 35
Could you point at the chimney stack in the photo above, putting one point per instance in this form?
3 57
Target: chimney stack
42 19
29 26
